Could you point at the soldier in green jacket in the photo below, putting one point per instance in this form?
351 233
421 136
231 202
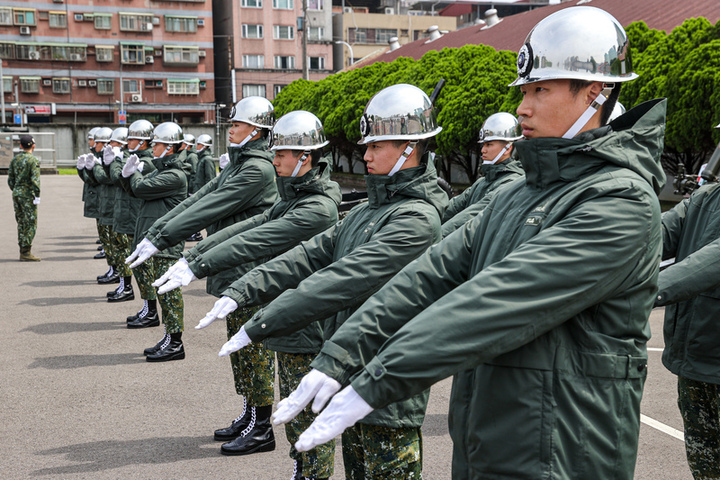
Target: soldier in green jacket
307 206
89 193
245 188
539 306
498 169
24 181
206 170
326 278
690 289
162 190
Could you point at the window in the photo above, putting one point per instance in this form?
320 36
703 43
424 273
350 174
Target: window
7 50
153 83
61 85
371 35
31 52
131 86
103 53
252 3
67 52
180 24
132 22
253 61
181 55
278 88
57 20
315 4
283 4
7 84
103 21
105 86
30 84
383 35
283 32
24 17
316 33
317 63
251 90
284 62
183 87
133 54
252 31
43 15
6 16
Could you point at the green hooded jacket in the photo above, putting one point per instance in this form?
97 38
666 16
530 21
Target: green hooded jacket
106 189
544 327
243 189
205 169
326 278
127 206
161 190
469 203
691 286
191 158
91 192
308 205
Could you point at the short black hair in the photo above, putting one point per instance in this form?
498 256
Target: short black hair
315 156
607 107
420 147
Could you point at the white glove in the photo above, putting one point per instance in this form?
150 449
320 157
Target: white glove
345 409
80 162
223 160
109 154
90 161
131 165
238 341
315 385
141 165
221 309
36 201
177 275
144 250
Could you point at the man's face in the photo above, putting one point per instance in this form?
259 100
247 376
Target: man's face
285 162
91 142
99 146
239 131
382 156
133 143
113 143
492 148
549 108
158 149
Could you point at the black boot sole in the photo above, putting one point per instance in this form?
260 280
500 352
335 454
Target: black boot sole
265 447
121 298
105 281
154 323
166 358
225 438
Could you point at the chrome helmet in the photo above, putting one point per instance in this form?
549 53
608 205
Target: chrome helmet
298 130
140 130
583 43
500 126
103 134
398 112
189 139
169 133
91 133
205 139
257 111
120 135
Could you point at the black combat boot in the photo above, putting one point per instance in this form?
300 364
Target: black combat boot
112 278
100 255
147 317
110 271
158 346
146 305
171 349
257 437
237 425
124 292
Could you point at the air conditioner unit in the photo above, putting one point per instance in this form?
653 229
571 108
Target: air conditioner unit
76 57
389 11
34 55
24 30
92 83
157 53
201 22
149 59
347 10
156 21
146 27
201 53
47 82
82 83
79 17
136 97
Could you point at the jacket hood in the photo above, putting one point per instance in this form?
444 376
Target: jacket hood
256 148
316 181
173 160
416 182
491 172
634 141
144 154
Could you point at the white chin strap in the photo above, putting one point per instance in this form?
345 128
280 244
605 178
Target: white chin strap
401 161
299 163
133 150
590 111
200 149
497 157
165 152
247 139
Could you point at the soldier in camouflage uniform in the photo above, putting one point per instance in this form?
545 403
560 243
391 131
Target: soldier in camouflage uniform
24 181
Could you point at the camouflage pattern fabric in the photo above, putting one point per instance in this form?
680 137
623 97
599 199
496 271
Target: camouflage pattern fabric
375 452
144 277
171 303
121 249
26 218
253 366
699 405
320 461
104 235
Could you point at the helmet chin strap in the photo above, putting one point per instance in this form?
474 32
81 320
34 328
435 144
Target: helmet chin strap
590 111
403 158
247 139
500 154
137 147
201 148
302 158
165 152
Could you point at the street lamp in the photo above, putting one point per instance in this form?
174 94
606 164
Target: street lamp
352 57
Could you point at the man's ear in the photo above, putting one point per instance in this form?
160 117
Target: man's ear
592 91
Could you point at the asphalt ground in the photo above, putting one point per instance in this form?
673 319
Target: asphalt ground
79 401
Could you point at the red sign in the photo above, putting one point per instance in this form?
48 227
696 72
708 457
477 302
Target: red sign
38 109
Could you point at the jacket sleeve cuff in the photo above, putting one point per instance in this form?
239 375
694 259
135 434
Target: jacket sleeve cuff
255 327
191 255
330 362
368 384
200 269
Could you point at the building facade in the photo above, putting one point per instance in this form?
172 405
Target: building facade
107 61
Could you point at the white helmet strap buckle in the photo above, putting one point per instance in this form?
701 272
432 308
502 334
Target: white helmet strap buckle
248 138
500 154
299 163
590 111
401 161
166 151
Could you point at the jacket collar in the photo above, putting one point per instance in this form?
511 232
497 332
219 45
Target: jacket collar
238 154
491 172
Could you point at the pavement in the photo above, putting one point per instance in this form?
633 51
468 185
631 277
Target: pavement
79 401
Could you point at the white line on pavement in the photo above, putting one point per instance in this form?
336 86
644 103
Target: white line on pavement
662 427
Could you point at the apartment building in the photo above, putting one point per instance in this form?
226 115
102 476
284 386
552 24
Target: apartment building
93 60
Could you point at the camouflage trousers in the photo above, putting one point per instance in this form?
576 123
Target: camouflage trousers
699 404
26 218
104 234
320 461
253 366
374 452
120 244
171 303
144 275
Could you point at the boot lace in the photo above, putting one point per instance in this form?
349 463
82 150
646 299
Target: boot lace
251 425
